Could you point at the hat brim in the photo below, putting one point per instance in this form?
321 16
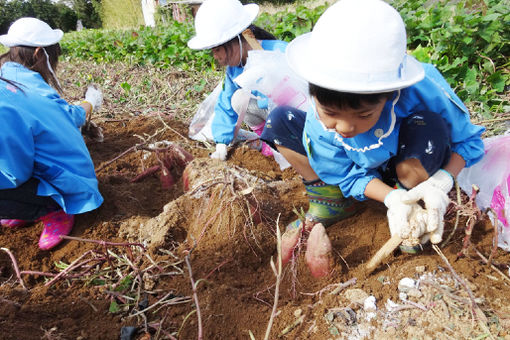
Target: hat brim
54 38
301 59
199 43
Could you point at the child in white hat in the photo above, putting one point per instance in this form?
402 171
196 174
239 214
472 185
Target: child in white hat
219 25
380 119
46 173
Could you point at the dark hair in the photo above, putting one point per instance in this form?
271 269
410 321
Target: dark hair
261 33
341 100
10 82
258 33
27 57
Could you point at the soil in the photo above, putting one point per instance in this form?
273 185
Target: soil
219 236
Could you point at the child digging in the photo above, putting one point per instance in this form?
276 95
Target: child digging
383 126
219 25
46 173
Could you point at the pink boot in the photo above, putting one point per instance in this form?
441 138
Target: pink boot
13 223
265 150
56 223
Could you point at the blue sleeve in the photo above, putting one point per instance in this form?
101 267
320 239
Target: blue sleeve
76 112
438 96
16 157
225 118
334 167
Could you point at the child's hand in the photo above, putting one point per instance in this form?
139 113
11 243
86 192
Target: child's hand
436 202
434 192
220 153
398 212
94 96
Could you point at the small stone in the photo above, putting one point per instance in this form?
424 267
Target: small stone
298 312
381 279
333 330
406 284
391 331
356 295
415 293
330 317
420 269
402 296
369 304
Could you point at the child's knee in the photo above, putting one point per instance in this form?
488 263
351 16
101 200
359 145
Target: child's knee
411 172
281 117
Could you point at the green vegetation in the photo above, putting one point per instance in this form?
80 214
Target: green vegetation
121 13
470 45
163 46
62 14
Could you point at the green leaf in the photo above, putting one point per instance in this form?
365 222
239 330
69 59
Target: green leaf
114 307
422 54
124 284
126 86
497 81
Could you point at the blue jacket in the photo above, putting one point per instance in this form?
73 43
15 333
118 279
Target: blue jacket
41 138
225 118
351 163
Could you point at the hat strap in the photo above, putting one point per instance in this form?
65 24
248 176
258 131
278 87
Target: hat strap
51 68
240 50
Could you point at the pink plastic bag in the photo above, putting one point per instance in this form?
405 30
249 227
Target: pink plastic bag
268 72
492 176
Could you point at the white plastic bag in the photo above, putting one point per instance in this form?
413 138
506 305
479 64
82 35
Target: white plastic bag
200 127
269 73
492 176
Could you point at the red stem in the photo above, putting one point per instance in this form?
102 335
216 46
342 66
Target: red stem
16 268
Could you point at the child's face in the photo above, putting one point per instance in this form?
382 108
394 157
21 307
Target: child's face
226 57
348 122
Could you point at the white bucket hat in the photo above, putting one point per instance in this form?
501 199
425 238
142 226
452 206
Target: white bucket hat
31 32
218 21
357 46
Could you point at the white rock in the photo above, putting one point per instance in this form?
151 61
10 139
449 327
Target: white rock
415 293
420 269
402 296
406 284
390 305
369 304
356 295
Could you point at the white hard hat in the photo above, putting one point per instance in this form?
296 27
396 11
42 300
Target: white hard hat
356 46
31 32
218 21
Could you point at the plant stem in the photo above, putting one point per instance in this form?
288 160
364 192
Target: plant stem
124 244
16 268
195 296
278 274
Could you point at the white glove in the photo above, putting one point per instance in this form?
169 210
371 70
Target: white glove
220 153
442 179
418 223
94 97
398 212
434 193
